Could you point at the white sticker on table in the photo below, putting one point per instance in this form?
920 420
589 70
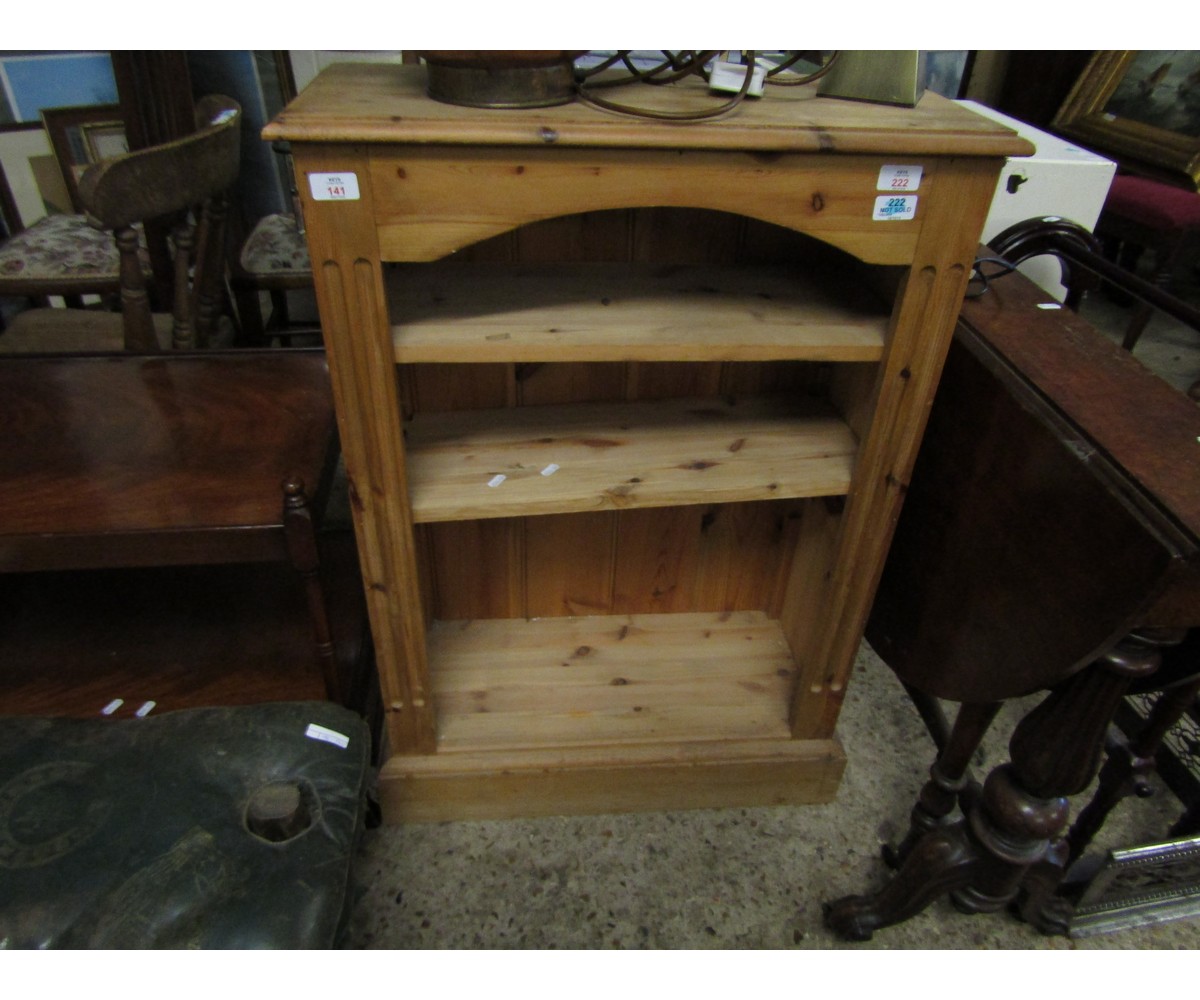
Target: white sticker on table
891 207
333 187
899 177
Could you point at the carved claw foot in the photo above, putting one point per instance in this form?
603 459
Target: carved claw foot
1051 916
852 918
940 861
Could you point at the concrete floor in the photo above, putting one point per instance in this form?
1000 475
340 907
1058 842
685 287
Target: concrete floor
734 878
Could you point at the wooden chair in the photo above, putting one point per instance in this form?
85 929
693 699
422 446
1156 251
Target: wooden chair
1143 214
61 254
274 259
185 180
1084 268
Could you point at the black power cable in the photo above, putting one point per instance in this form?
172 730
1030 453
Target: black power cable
677 66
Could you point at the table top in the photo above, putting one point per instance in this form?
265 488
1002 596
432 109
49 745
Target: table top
1054 507
364 102
136 444
1144 427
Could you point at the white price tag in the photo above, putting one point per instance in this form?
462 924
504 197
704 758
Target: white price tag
333 187
326 735
729 77
889 207
899 177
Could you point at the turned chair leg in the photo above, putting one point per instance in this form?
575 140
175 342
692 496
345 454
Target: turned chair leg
1166 257
1129 764
249 312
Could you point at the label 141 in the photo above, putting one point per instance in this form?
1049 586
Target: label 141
333 187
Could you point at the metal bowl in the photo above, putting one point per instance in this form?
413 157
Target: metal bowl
501 79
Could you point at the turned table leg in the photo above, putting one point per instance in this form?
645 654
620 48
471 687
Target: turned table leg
1018 820
948 778
1137 656
301 535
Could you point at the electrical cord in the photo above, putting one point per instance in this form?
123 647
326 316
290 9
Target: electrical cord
980 281
679 66
800 80
682 64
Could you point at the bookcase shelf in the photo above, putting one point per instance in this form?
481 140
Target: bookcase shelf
597 456
449 312
593 681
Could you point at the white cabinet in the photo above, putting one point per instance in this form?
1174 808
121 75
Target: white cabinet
1059 179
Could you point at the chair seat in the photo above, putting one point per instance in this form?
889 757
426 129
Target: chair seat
87 331
1152 204
62 251
276 248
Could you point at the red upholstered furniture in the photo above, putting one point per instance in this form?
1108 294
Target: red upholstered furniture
1141 213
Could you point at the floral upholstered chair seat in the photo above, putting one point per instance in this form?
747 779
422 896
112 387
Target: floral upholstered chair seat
60 251
274 259
276 248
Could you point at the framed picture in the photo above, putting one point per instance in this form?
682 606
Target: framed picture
81 136
1139 105
104 141
32 175
30 81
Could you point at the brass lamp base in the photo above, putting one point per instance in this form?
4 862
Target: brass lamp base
501 79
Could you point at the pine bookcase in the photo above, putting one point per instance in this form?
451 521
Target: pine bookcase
628 408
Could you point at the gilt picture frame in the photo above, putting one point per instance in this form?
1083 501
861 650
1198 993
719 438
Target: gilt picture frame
1142 106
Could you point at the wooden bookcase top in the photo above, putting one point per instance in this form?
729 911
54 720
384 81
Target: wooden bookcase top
364 102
